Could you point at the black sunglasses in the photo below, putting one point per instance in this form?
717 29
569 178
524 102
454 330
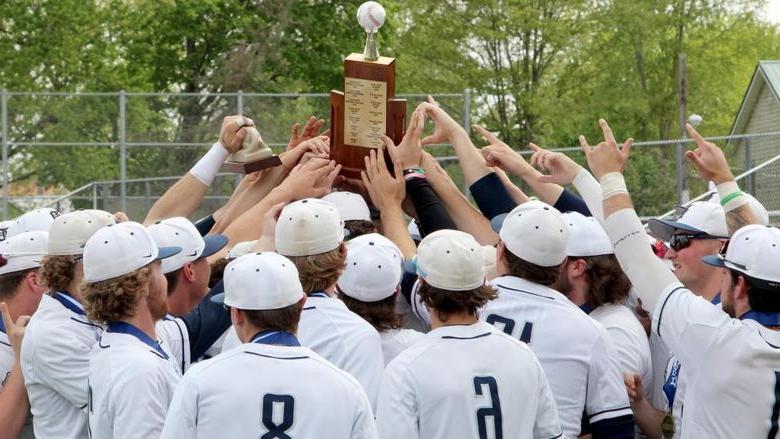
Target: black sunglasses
679 242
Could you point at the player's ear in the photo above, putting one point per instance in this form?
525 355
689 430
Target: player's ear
236 317
741 288
188 271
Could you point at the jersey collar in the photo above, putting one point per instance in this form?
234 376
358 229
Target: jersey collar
275 337
69 302
770 319
2 326
127 328
322 294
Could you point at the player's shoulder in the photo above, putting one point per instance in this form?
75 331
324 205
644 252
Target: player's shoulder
329 369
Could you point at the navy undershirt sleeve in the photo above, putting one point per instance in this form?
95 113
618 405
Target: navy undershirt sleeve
204 225
570 202
491 196
206 323
431 214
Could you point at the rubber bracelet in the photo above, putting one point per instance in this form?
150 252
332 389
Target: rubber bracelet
414 175
414 170
612 184
730 197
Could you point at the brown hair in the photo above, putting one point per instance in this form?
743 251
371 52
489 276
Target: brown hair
381 314
58 271
115 299
282 319
359 227
217 271
10 282
608 282
318 272
521 268
759 299
446 302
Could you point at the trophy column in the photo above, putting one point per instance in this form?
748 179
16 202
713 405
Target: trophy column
366 110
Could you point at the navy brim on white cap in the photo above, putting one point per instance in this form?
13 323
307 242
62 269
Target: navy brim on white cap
167 252
715 261
664 229
214 243
218 298
497 222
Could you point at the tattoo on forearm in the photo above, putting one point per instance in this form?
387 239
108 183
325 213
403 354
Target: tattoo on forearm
740 217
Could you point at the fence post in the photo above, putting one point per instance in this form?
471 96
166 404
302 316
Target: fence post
467 110
5 152
748 164
148 195
94 195
122 152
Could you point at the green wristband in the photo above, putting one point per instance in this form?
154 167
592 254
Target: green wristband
730 197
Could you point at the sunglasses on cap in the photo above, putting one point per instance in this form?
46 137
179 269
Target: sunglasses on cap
679 242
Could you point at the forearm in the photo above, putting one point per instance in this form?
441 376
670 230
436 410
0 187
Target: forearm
14 404
590 191
470 159
738 211
248 227
394 228
465 216
515 192
181 199
250 196
647 418
431 214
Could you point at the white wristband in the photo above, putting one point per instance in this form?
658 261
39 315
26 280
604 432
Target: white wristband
612 184
730 196
208 166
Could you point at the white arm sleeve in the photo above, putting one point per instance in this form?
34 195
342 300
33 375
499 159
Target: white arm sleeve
396 415
590 191
647 273
547 424
180 420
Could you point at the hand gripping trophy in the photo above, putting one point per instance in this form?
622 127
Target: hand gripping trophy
253 155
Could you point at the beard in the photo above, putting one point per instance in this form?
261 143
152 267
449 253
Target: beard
563 286
727 302
158 304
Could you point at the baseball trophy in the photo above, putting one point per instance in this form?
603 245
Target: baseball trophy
367 108
254 155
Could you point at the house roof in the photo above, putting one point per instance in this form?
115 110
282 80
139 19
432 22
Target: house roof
767 72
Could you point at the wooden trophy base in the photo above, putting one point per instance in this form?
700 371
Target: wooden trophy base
366 110
253 166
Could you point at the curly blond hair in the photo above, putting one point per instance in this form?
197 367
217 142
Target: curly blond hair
58 271
320 271
114 299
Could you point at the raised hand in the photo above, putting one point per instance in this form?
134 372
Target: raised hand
14 330
634 388
499 154
385 190
562 169
267 241
311 130
606 157
445 126
708 159
316 147
312 179
408 153
233 132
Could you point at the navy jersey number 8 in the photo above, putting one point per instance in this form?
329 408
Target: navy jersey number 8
493 411
277 431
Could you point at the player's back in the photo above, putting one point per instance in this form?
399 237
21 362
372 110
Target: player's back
268 391
572 348
466 381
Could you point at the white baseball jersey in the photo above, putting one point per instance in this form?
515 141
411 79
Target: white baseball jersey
269 391
394 341
7 356
450 385
55 364
632 348
173 332
330 329
573 349
733 367
131 383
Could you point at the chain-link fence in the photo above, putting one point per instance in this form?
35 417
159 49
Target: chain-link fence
121 151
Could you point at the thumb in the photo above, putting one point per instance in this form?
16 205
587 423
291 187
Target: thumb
534 147
692 156
23 321
427 140
626 150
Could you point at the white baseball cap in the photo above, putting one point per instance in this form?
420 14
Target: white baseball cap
4 225
116 250
489 257
537 233
308 227
241 249
373 271
36 220
69 232
180 232
350 205
260 281
451 260
23 251
699 218
587 237
380 241
753 251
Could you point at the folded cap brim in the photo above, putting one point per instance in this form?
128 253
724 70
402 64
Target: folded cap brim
218 298
497 222
715 261
664 229
214 243
167 252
